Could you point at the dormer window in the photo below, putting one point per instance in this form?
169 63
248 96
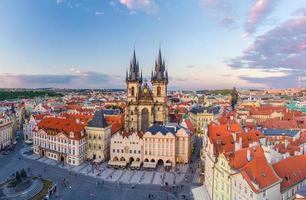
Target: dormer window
72 134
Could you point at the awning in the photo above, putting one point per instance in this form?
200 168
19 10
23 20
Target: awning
200 193
149 164
136 164
168 164
98 160
117 163
28 142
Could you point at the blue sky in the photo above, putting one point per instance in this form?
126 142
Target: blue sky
206 43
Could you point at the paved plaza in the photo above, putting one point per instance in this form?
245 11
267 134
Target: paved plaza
103 183
158 177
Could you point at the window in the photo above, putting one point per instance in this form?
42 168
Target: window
132 91
264 193
158 91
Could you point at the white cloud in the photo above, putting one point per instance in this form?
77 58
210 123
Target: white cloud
149 6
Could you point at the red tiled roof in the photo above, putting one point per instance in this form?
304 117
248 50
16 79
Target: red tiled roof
221 138
249 137
62 125
259 172
238 158
292 170
116 127
291 148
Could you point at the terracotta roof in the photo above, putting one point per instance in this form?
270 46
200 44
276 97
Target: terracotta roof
126 134
259 173
78 116
221 138
238 159
249 137
292 170
116 127
291 148
62 125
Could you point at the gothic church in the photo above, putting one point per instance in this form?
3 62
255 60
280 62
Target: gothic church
146 103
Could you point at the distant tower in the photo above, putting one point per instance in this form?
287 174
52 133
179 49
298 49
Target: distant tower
299 83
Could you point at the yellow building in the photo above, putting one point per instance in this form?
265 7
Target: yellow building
199 117
222 182
98 137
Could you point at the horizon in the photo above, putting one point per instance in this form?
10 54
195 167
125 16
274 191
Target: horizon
207 44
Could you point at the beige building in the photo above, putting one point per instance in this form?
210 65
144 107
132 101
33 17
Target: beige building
199 117
98 137
160 145
167 145
126 147
6 131
145 105
60 139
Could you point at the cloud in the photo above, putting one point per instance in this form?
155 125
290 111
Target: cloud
258 14
99 13
282 49
287 81
60 1
149 6
190 66
221 10
76 79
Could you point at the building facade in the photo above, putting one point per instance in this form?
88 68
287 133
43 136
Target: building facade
98 136
60 139
146 105
6 132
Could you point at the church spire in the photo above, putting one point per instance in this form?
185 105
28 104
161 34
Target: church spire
159 72
133 74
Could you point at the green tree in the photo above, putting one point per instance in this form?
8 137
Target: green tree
18 177
23 173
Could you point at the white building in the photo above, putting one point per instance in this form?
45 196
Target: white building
60 139
6 131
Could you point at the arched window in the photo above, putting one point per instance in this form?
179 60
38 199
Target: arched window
132 91
158 91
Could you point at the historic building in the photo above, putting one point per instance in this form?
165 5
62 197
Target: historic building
146 102
60 139
6 131
98 135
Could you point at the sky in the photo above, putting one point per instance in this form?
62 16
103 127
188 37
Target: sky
207 44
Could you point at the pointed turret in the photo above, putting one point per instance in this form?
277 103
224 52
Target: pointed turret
160 65
133 74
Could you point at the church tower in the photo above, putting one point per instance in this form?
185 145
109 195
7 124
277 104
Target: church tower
159 80
133 83
146 105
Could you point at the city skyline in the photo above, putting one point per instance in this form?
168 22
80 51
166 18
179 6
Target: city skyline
207 44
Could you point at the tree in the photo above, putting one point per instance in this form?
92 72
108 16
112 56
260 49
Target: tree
23 173
17 176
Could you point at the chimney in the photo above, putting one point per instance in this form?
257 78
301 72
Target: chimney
248 155
77 121
237 146
286 144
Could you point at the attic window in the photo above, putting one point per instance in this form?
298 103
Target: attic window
264 174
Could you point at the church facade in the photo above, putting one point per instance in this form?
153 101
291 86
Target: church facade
146 101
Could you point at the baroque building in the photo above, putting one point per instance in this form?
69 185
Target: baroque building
146 102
